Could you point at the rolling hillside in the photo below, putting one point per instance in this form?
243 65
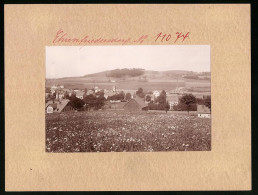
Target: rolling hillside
135 78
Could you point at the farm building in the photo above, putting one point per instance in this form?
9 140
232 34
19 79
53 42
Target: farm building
136 104
203 111
58 106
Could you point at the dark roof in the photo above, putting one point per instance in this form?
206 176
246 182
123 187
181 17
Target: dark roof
117 105
58 106
54 106
140 101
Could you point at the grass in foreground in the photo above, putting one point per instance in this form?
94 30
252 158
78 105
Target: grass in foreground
118 131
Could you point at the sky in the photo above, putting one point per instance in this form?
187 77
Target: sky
70 61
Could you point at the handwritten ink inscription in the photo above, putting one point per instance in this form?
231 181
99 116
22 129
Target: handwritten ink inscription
63 37
166 37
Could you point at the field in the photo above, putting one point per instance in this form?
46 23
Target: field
155 80
118 131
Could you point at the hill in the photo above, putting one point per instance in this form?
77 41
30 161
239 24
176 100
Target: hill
135 78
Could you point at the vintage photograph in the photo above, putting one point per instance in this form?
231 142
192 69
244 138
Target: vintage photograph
136 98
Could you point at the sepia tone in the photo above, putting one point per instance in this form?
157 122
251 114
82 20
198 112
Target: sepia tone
162 104
30 28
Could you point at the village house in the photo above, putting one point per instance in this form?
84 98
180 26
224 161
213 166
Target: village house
52 91
96 89
178 90
115 90
54 87
79 94
60 95
132 92
172 99
89 92
201 95
108 93
203 111
58 106
156 94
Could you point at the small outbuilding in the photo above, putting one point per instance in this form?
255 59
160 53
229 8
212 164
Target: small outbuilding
203 111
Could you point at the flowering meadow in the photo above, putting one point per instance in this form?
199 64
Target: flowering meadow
121 131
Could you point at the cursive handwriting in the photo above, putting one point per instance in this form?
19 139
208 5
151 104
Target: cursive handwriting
63 37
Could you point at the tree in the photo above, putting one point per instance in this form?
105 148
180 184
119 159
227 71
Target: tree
95 102
66 95
119 73
140 93
161 99
73 94
187 101
167 106
128 96
207 102
76 103
148 98
53 97
90 100
47 90
85 93
121 95
100 101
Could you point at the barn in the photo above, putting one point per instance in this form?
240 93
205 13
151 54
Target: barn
135 104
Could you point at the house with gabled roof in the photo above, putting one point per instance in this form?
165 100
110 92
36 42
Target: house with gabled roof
58 106
135 104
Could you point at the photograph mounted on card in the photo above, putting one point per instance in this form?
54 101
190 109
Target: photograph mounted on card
127 97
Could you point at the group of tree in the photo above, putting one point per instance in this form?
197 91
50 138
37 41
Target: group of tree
148 98
160 103
186 103
120 96
76 103
128 96
92 101
118 73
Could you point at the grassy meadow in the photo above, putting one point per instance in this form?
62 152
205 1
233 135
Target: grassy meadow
120 131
